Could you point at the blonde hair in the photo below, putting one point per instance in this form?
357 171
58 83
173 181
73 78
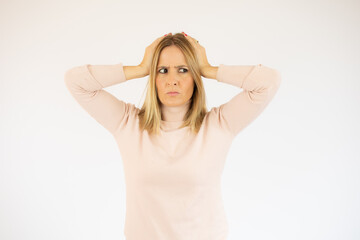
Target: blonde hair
150 113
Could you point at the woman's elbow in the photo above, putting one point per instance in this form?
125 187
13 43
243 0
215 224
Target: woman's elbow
273 75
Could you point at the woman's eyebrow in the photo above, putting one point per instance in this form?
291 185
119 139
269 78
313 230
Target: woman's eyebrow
175 66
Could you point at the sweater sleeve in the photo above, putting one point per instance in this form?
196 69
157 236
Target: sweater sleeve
259 84
86 83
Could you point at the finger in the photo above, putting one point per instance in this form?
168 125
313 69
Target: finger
190 38
159 39
187 35
193 40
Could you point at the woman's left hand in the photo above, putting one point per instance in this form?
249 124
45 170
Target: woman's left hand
200 54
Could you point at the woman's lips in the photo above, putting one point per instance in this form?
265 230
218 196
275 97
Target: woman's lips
172 93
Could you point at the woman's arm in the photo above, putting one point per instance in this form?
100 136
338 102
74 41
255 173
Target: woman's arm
134 72
86 83
210 72
259 84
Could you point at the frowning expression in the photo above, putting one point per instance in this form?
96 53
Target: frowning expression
174 82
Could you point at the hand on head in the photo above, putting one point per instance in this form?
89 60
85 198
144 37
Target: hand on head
200 53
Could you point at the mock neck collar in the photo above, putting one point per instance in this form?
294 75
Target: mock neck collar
174 114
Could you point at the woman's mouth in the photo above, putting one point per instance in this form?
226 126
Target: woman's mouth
172 93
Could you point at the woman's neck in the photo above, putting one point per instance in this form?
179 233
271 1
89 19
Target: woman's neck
174 113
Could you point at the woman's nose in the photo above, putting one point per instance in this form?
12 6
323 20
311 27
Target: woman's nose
172 78
172 82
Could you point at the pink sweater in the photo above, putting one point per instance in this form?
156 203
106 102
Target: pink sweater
173 181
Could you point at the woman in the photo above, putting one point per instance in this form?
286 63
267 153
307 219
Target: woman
173 149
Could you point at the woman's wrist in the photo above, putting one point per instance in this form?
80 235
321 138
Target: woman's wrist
210 72
132 72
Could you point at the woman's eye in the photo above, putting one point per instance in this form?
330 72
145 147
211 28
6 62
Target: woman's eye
184 70
162 69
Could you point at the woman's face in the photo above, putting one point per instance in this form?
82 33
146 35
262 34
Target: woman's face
173 76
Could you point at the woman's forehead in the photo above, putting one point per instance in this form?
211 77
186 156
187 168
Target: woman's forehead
172 66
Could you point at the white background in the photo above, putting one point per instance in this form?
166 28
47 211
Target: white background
293 173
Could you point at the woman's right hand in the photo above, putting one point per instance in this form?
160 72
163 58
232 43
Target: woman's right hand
149 52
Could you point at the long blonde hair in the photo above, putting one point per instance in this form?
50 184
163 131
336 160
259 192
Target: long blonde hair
150 113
